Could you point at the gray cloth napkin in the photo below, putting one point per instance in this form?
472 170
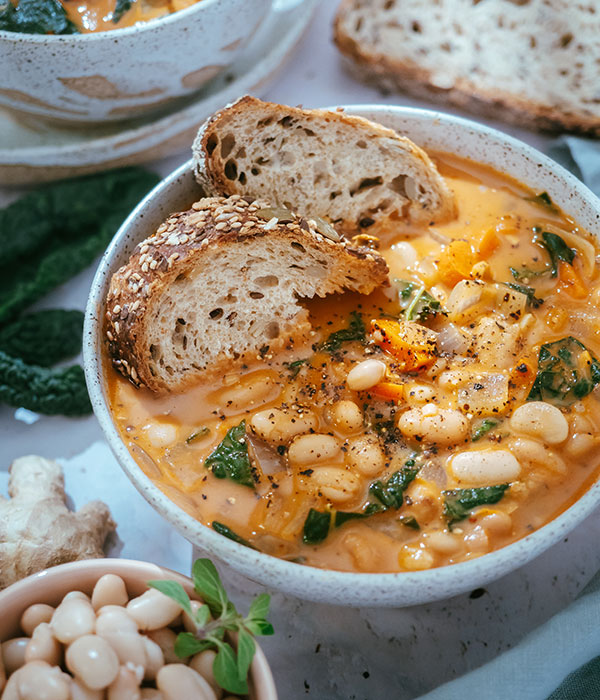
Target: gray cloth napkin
560 660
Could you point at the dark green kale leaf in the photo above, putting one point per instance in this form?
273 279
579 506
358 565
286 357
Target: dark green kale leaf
391 493
61 391
36 17
529 292
483 428
409 521
121 7
416 302
229 533
557 249
458 503
43 338
543 200
230 460
567 371
316 526
355 331
526 273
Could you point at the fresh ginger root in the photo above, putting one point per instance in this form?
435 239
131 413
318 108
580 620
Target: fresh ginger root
37 530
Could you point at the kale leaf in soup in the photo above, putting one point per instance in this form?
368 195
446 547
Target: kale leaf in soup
36 17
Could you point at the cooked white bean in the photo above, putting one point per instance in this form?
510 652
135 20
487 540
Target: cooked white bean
91 659
580 444
73 618
443 542
314 448
278 426
79 691
154 659
177 681
13 653
116 627
336 483
37 680
43 646
165 638
366 374
532 452
115 619
476 540
496 522
485 467
152 694
31 618
347 416
250 391
430 424
202 663
365 455
109 590
152 610
542 420
415 558
126 686
161 434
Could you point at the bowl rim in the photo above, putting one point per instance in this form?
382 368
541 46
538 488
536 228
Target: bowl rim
419 586
21 37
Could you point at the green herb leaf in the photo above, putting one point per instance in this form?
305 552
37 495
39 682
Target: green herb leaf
207 583
417 303
483 429
225 670
121 7
529 292
543 200
187 644
229 533
355 331
36 17
197 435
245 653
175 591
230 458
558 250
259 608
316 526
260 627
390 493
458 503
409 521
340 517
527 273
567 371
295 367
202 615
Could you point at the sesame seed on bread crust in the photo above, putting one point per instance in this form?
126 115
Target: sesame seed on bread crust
219 282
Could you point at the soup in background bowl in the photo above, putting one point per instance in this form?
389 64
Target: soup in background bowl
493 291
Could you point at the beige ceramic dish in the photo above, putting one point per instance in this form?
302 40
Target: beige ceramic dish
433 131
51 585
115 75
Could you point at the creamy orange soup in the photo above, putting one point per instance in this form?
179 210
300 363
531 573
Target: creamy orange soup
99 15
435 420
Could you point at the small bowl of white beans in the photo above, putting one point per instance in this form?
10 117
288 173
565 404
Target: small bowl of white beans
93 629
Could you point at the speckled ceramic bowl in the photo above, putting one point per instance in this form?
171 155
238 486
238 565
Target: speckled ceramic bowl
51 585
433 131
126 72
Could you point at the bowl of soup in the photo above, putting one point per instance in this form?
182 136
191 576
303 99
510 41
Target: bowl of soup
394 484
116 59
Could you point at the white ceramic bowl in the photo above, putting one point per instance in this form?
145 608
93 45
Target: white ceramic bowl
436 132
118 74
51 585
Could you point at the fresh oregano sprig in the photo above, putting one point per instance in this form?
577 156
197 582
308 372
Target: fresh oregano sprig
213 620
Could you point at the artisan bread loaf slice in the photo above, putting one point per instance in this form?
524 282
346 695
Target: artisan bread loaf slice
220 283
342 168
531 62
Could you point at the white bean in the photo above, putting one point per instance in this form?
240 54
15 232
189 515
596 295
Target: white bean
278 426
250 391
43 646
116 627
165 638
79 691
31 618
366 374
335 483
365 455
485 467
533 452
313 449
73 618
202 663
347 416
152 694
126 686
443 542
152 610
496 522
161 434
154 659
37 680
13 653
177 681
415 558
542 420
109 590
115 619
91 659
433 425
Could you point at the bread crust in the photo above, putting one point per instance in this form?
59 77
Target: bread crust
180 244
408 77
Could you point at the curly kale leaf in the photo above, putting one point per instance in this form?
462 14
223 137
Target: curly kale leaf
417 303
459 503
355 331
36 17
391 493
230 459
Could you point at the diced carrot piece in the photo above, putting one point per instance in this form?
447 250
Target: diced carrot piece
455 263
571 281
388 391
488 243
410 343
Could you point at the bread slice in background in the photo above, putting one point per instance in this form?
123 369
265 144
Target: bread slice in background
532 62
320 163
220 283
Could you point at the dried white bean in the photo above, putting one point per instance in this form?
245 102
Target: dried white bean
91 659
433 425
43 646
177 681
366 374
365 455
202 663
542 420
73 618
335 483
13 653
79 691
485 467
165 638
31 618
37 680
278 426
152 610
313 449
347 416
126 686
109 590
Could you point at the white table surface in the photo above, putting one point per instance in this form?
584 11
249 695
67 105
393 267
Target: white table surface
319 651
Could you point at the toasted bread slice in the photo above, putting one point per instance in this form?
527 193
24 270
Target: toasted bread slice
342 168
221 283
529 62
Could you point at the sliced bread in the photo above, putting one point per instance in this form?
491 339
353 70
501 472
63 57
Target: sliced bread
531 62
221 282
321 163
